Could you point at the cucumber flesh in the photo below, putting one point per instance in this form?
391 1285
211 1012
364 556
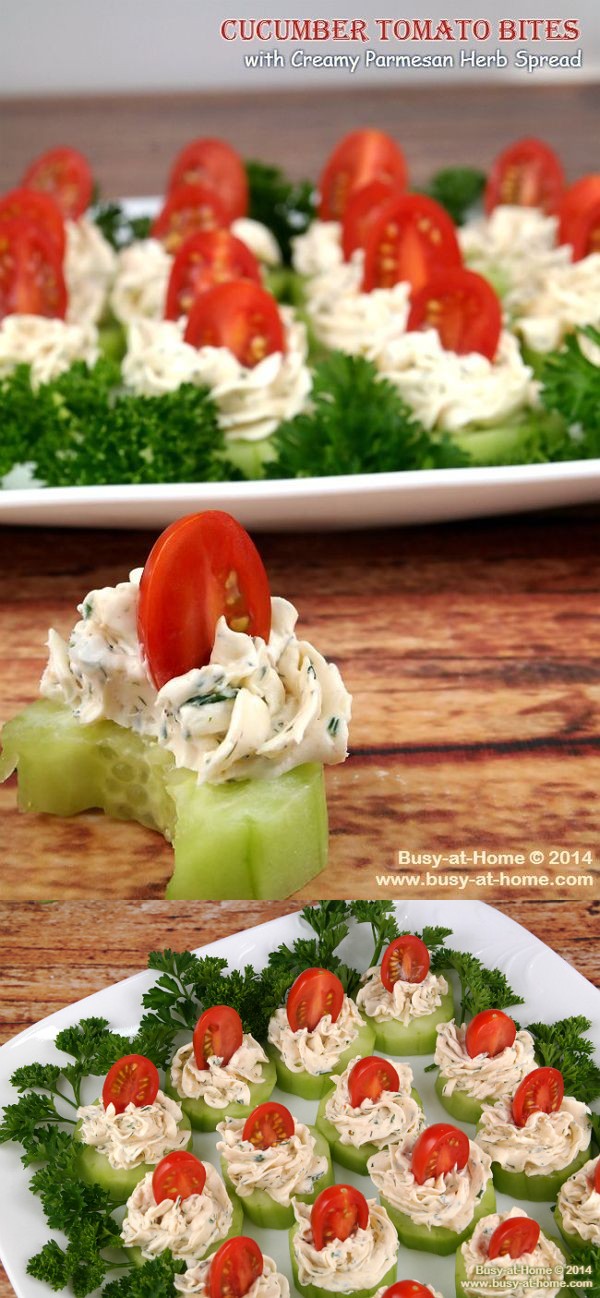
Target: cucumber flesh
572 1238
317 1291
95 1169
354 1157
437 1239
419 1037
204 1118
312 1087
261 1209
138 1258
538 1189
459 1105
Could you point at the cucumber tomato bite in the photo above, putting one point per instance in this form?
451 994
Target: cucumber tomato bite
577 1209
316 1033
222 1073
129 1129
270 1159
501 1251
344 1243
237 1268
402 1001
371 1104
182 1206
480 1062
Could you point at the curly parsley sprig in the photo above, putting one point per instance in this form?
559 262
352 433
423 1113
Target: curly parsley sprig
564 1045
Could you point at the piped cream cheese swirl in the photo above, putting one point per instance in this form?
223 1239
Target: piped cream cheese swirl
281 1171
538 1274
139 1135
343 1266
393 1116
579 1204
271 1284
449 1200
406 1001
50 346
219 1084
546 1143
187 1226
319 1050
89 267
483 1077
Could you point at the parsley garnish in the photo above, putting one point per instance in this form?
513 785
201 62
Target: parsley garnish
117 228
571 389
563 1045
286 206
457 189
481 988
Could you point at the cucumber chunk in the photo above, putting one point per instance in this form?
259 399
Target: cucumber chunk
459 1105
261 1209
205 1118
309 1086
418 1038
244 839
95 1169
138 1258
317 1291
539 1189
354 1157
437 1239
461 1276
571 1237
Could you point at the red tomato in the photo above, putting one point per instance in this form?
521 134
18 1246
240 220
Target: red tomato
527 174
514 1237
64 174
411 237
207 258
31 278
362 209
38 208
438 1150
369 1077
316 992
270 1124
240 316
234 1268
406 957
336 1213
178 1176
489 1033
358 159
188 208
218 1032
596 1181
407 1289
131 1080
215 164
540 1092
576 203
584 235
203 567
464 309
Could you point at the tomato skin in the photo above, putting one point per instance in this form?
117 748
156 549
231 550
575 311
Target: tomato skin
362 156
438 1150
31 277
315 993
238 315
576 203
218 1032
528 174
407 1289
207 258
541 1091
336 1213
362 209
66 175
490 1032
407 958
584 234
201 567
213 163
41 209
411 237
234 1268
187 209
514 1237
178 1176
131 1080
369 1078
596 1181
269 1124
464 309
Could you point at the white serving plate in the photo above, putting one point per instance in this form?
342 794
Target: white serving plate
551 988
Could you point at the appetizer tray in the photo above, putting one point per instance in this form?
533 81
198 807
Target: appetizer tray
550 987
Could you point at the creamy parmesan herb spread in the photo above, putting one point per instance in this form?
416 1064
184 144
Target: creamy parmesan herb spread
406 1001
342 1266
579 1204
48 345
547 1142
187 1226
271 1284
449 1200
89 267
282 1170
393 1116
569 296
256 710
139 1135
538 1274
515 247
220 1084
484 1077
348 320
318 249
318 1051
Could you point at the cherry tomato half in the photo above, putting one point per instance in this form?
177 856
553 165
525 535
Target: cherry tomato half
527 174
207 258
270 1124
489 1033
178 1176
188 208
31 278
215 164
438 1150
234 1268
240 316
369 1078
577 201
514 1237
540 1092
407 958
336 1213
464 309
66 175
596 1181
411 237
316 992
131 1080
407 1289
362 209
203 567
40 209
219 1033
362 156
584 235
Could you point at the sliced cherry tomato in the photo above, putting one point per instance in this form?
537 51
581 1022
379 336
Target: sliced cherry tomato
407 1289
219 1033
131 1080
31 278
438 1150
584 235
489 1033
577 201
407 958
207 258
540 1092
188 208
362 156
596 1182
315 993
66 175
38 208
464 309
234 1268
362 209
270 1124
178 1176
369 1078
240 316
514 1237
526 174
411 237
215 164
336 1213
203 567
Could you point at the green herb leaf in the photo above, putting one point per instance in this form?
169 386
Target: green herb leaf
571 389
152 1280
118 229
457 189
481 988
563 1045
287 207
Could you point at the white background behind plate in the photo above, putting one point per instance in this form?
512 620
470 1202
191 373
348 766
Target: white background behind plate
551 988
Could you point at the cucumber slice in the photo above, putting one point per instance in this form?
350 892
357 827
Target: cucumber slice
243 839
354 1157
437 1239
249 457
95 1169
539 1189
572 1238
317 1291
418 1037
138 1258
461 1276
264 1211
459 1105
205 1118
312 1087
